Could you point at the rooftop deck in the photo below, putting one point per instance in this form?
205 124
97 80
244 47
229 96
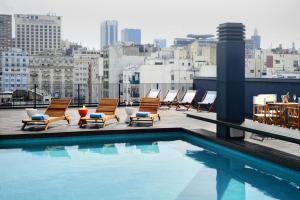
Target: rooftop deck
10 121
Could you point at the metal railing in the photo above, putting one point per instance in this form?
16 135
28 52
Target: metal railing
84 94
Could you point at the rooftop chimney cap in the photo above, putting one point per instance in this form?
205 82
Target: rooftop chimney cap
231 31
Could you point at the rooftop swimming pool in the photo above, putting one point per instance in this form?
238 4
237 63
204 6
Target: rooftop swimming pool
164 166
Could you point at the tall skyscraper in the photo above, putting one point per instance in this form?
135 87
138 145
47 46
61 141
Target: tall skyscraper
256 38
160 43
37 33
5 33
131 35
109 33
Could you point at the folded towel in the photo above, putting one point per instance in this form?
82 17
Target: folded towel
39 117
142 114
97 115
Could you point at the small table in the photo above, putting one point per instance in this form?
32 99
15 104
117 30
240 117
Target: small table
82 112
129 111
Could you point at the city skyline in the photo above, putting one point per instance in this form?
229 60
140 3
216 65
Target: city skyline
82 23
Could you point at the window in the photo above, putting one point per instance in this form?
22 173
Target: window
277 61
172 77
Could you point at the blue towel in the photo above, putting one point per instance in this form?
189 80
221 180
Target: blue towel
142 114
97 115
39 117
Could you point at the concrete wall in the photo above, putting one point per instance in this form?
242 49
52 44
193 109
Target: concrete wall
253 86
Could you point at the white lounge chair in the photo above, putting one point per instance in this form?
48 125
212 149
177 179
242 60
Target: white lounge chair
208 100
170 98
187 100
153 93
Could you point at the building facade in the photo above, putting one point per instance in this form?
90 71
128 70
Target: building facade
160 43
116 59
109 33
37 33
256 39
87 75
52 73
14 68
5 32
130 35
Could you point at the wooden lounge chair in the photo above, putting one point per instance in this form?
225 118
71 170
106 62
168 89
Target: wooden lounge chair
153 93
56 112
170 98
107 107
293 115
208 100
187 100
147 105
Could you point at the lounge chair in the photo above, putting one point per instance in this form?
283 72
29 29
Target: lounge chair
147 105
56 112
107 108
187 100
153 93
170 98
208 100
293 117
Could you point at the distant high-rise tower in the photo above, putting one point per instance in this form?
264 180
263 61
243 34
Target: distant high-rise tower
160 43
256 38
129 35
109 33
37 33
5 33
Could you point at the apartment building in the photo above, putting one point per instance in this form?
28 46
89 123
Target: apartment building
87 75
115 59
37 33
14 70
52 73
5 32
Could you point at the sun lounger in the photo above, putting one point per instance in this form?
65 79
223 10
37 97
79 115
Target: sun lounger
153 93
187 100
170 98
105 111
148 111
208 100
55 112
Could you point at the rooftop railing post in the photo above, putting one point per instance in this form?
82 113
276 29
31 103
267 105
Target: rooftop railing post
230 78
119 93
34 102
78 95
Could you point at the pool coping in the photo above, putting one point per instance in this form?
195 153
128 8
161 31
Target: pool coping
272 155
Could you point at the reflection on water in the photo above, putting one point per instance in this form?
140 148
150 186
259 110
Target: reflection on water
104 149
52 151
145 147
233 175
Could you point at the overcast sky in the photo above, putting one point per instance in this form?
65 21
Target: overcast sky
277 21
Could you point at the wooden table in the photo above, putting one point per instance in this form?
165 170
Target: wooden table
283 110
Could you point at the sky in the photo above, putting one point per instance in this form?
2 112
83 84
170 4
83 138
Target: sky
277 21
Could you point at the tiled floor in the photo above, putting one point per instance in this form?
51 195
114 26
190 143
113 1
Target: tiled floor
10 121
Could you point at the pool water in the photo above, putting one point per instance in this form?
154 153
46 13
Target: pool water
162 166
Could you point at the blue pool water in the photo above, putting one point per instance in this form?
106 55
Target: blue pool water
148 166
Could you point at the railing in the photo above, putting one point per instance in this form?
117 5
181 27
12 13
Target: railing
84 94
